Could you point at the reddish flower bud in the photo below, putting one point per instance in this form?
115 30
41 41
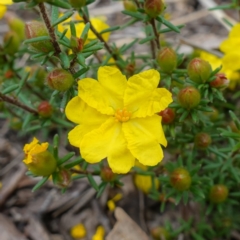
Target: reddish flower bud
159 233
60 79
180 179
202 140
76 44
45 109
218 193
77 3
38 29
189 97
130 68
107 174
168 115
11 43
62 178
199 70
9 74
130 5
154 7
220 82
167 59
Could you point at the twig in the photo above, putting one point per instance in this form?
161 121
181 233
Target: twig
152 22
17 103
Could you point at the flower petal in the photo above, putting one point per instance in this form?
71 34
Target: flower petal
6 2
105 95
107 141
231 61
143 136
142 97
79 112
3 9
234 33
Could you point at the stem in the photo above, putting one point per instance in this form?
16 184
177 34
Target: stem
83 172
152 22
17 103
153 49
51 32
99 36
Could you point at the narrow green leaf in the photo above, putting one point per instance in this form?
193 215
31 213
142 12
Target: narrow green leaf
168 24
77 161
92 182
65 158
73 29
102 187
37 39
10 89
80 72
85 31
60 3
111 29
65 60
136 15
63 18
22 82
147 39
54 14
40 184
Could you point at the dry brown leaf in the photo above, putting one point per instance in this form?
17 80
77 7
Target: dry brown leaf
125 228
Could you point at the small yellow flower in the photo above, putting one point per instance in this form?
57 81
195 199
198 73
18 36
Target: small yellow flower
97 23
99 235
37 159
117 119
78 231
111 203
3 7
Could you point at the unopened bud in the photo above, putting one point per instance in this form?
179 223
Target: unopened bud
76 44
45 109
159 233
202 140
60 79
167 59
220 82
199 70
77 3
130 5
62 178
107 174
154 7
218 193
17 26
38 29
11 43
130 68
180 179
189 97
168 116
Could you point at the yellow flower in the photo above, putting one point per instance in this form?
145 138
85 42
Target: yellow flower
231 48
78 231
38 160
117 118
99 235
97 23
3 7
216 62
111 203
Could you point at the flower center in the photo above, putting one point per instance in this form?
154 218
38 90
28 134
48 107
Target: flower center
122 115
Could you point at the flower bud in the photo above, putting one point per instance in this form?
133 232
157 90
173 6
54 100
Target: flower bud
62 178
77 3
159 233
130 68
107 174
45 109
154 7
76 44
38 160
218 193
9 74
17 26
189 97
130 5
202 140
11 43
213 116
168 116
180 179
144 183
167 59
38 29
60 79
220 82
199 70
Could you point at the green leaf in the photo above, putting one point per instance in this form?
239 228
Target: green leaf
74 163
183 116
60 3
165 30
220 7
65 158
111 29
63 18
62 122
65 60
124 48
92 182
138 16
81 60
147 39
40 184
73 29
162 20
37 39
54 14
80 72
85 31
22 82
10 89
102 187
94 48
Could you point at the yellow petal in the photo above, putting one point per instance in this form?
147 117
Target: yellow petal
105 95
3 9
143 98
143 136
107 141
230 45
234 33
79 112
231 61
214 61
6 2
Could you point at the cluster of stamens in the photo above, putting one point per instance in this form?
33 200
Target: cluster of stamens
122 115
